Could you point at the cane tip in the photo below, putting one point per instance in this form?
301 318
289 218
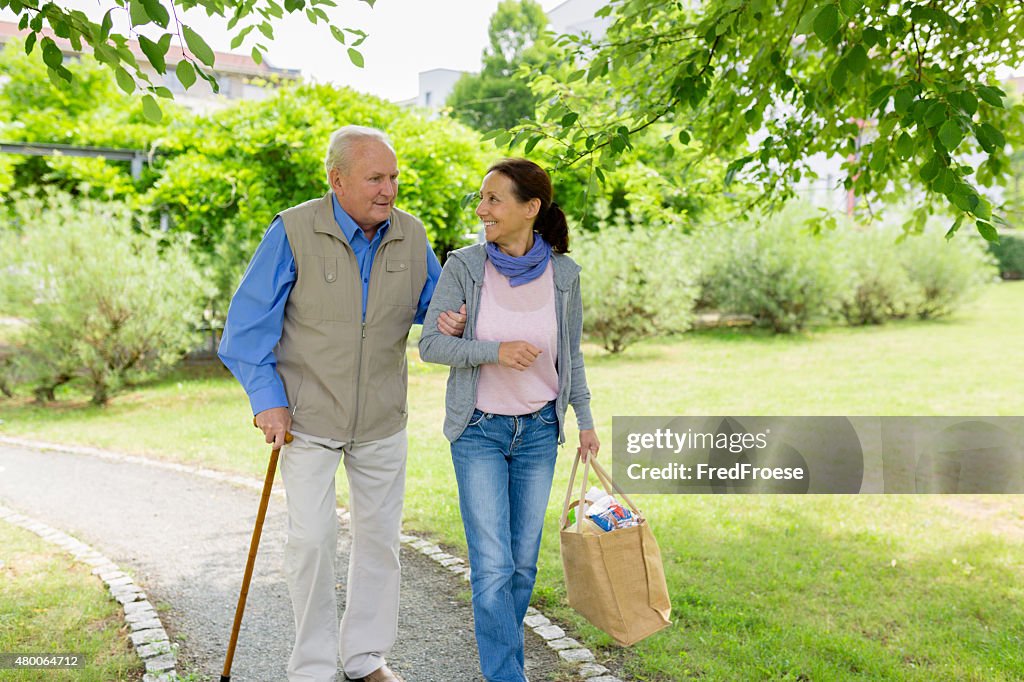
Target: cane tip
225 678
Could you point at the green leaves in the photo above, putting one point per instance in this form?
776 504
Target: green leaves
52 56
991 95
185 73
153 24
989 137
150 109
950 134
857 59
930 170
965 101
850 7
905 146
157 12
987 231
903 98
826 23
356 57
197 45
735 167
54 59
879 97
155 51
105 25
124 80
137 13
531 144
239 38
931 113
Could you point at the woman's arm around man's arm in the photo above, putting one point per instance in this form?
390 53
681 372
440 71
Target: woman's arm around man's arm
450 294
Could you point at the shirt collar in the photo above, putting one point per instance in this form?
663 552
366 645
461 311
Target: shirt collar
349 227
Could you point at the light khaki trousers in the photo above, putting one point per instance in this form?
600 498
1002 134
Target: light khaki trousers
376 481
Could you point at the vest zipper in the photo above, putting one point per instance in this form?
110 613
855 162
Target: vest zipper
359 372
362 336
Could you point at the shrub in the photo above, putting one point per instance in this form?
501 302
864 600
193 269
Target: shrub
636 284
774 270
878 287
945 273
105 303
1009 254
245 163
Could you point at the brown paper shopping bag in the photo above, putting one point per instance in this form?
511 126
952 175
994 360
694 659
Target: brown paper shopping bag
615 579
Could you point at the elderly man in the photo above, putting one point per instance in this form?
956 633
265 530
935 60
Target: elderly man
316 334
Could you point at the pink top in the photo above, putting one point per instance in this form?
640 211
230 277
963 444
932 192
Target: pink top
522 313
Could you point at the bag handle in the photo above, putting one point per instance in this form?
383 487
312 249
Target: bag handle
610 485
606 482
568 494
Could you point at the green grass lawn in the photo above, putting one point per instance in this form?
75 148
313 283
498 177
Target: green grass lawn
801 588
50 604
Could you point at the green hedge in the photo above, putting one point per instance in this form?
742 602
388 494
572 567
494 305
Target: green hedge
1009 254
636 283
642 282
106 303
773 269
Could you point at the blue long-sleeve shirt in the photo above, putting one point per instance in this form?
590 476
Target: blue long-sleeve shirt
256 314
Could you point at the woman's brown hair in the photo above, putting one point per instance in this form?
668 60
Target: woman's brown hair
530 181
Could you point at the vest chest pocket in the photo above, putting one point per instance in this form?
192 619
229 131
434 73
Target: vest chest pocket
323 290
398 289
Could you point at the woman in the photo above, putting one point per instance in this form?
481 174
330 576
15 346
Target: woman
514 371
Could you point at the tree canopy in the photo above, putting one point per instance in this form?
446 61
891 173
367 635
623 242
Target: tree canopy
907 92
498 97
156 24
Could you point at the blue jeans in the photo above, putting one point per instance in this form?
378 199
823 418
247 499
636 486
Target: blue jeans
504 466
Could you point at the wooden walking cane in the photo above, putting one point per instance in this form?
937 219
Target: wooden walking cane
254 546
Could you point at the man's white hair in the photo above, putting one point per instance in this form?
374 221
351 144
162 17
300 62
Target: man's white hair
344 140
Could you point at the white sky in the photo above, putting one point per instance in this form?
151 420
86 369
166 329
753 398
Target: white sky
406 37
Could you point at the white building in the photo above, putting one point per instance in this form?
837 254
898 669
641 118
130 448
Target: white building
576 17
435 86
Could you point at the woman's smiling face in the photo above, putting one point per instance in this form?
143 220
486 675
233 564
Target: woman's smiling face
506 219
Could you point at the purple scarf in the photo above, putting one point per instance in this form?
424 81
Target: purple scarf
525 268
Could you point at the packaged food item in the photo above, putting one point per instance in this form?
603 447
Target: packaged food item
602 513
609 515
587 526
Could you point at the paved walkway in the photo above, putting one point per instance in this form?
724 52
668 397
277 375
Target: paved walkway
185 539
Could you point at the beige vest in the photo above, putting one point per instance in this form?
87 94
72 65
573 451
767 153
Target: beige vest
347 378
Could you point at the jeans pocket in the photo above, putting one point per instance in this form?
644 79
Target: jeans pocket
475 418
548 414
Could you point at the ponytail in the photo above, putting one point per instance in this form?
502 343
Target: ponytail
553 227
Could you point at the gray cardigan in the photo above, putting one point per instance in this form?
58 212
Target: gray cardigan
461 281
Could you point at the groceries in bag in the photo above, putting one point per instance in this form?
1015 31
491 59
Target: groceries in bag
603 513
